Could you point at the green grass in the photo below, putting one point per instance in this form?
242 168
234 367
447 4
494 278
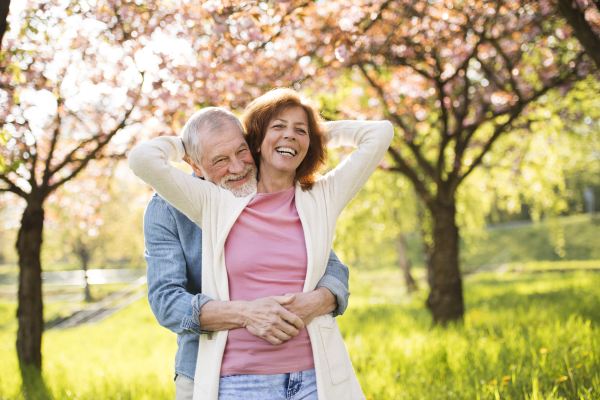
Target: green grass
521 335
525 336
128 356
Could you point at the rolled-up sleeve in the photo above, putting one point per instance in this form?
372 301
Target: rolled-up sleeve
336 280
173 306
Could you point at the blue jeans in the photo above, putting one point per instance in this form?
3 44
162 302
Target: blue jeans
294 386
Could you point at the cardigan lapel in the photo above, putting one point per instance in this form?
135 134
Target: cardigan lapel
220 268
310 269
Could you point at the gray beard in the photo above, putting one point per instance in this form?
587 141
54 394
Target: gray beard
243 190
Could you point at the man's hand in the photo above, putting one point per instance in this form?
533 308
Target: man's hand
307 306
268 319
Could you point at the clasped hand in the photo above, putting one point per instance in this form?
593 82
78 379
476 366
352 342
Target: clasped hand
277 319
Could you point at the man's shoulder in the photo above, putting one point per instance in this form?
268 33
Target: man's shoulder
157 201
159 206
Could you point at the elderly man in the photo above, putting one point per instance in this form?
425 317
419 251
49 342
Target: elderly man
174 257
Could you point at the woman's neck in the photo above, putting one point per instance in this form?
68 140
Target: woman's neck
272 184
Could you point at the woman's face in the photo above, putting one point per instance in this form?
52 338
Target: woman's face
285 144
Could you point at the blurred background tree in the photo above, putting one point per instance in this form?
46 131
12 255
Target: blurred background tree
74 218
454 77
62 106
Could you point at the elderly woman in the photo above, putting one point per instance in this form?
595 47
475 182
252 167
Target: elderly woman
275 239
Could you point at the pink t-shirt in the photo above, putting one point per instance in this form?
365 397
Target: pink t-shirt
265 254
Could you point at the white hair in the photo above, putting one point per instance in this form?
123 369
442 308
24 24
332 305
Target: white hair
208 119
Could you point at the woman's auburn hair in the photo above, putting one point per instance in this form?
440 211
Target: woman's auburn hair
263 110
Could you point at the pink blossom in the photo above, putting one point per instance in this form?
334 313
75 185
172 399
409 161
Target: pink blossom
255 34
211 5
245 23
219 29
341 53
346 24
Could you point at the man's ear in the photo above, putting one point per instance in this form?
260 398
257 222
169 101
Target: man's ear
196 169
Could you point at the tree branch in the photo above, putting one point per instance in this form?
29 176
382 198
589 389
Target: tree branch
509 64
33 161
461 114
465 64
402 167
582 28
441 95
396 60
387 39
91 156
515 112
82 122
423 163
274 36
377 18
497 132
12 187
491 76
69 158
445 131
47 172
459 150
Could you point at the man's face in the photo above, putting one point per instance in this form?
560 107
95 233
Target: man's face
227 161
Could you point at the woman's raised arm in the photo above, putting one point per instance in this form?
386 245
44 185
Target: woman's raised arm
150 162
372 139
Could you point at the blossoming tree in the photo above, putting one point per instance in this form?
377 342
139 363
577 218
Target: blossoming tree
454 77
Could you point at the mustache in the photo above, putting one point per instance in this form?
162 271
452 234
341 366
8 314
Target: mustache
235 177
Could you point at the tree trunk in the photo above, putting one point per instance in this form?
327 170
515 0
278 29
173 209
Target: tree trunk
4 9
84 257
582 29
426 248
445 299
427 258
88 295
404 263
30 312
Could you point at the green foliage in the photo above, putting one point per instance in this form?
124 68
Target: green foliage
6 165
522 335
368 228
122 236
386 207
533 243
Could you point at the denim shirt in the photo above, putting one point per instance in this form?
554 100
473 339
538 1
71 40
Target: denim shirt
174 259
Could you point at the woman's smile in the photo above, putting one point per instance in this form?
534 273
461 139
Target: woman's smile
286 151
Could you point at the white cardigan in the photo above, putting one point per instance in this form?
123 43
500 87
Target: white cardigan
215 210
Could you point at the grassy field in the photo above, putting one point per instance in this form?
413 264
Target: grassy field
525 336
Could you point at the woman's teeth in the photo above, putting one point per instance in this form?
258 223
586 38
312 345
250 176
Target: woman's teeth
286 151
